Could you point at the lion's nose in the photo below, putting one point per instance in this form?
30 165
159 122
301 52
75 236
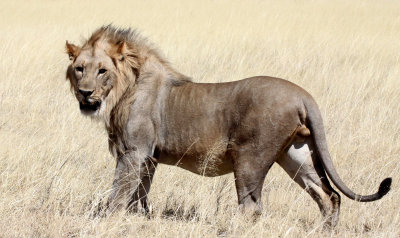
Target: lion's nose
85 93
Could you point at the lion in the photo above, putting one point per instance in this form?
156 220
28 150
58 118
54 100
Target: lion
154 114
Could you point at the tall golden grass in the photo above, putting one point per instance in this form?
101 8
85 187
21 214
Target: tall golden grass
54 163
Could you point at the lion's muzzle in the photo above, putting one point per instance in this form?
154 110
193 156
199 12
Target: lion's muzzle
88 104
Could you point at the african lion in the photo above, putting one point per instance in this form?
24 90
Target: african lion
154 114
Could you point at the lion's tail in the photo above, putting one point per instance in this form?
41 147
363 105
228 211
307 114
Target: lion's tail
317 131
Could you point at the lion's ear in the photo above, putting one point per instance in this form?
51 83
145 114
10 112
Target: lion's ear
72 50
128 53
121 51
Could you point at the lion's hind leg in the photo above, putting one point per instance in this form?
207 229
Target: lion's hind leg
250 170
303 166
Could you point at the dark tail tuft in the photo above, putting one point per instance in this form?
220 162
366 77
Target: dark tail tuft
384 188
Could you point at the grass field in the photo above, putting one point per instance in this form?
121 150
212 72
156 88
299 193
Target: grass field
55 165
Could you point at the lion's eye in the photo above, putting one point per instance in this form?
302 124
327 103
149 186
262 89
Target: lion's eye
102 71
79 69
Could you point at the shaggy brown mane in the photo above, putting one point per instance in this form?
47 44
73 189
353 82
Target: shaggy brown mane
139 48
125 45
138 51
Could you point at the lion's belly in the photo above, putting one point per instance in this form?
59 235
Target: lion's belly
204 165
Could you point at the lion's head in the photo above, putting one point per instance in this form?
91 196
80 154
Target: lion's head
102 69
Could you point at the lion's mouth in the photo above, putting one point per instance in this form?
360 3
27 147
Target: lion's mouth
89 108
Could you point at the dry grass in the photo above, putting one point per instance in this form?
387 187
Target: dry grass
54 163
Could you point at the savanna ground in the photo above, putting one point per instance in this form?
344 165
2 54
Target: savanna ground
55 165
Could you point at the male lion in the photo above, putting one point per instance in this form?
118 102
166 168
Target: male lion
154 114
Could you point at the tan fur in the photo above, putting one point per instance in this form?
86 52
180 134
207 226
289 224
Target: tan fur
154 114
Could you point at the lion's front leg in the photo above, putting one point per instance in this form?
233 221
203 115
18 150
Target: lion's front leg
143 189
131 168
